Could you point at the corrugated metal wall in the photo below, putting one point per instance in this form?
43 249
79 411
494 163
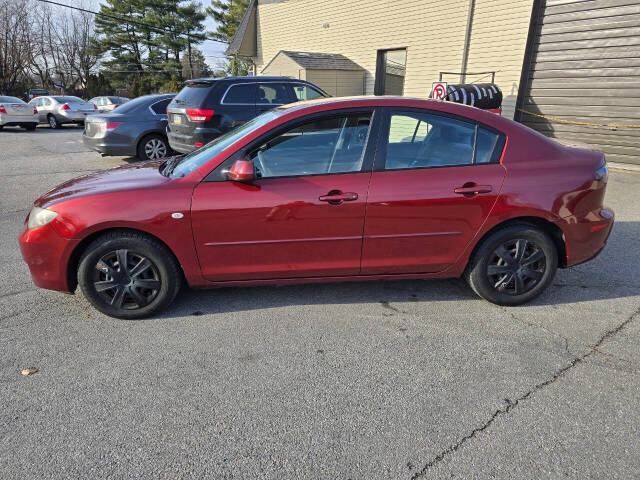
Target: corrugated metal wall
584 67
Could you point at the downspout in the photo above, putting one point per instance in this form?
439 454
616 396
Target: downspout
467 41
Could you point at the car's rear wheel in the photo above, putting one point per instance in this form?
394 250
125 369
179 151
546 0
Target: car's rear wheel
53 121
153 147
513 265
128 275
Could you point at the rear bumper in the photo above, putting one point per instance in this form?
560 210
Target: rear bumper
70 117
47 255
10 120
586 237
185 143
106 146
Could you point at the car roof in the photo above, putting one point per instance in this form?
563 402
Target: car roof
493 120
247 79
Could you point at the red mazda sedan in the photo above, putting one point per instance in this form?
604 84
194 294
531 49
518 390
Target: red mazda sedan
336 189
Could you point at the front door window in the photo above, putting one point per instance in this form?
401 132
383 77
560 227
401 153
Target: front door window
320 147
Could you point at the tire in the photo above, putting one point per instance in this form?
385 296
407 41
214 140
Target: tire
148 285
1 127
30 126
513 265
53 121
151 146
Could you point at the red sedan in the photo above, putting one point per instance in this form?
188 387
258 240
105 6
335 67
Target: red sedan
336 189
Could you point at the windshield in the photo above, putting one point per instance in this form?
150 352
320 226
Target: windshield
10 100
197 158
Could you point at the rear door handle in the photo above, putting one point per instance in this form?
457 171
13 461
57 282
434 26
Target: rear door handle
473 189
336 197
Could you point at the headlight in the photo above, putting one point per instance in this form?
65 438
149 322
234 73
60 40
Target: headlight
39 217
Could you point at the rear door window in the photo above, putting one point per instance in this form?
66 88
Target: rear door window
241 94
273 94
194 94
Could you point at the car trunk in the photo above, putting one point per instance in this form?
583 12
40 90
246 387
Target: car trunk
19 111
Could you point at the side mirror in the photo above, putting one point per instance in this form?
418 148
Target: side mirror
242 171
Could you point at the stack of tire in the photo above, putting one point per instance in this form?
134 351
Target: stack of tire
486 96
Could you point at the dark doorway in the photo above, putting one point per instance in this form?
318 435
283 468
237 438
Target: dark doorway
390 71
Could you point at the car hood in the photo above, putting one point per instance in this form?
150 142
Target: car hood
127 177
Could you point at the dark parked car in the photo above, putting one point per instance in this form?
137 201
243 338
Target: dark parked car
137 128
208 107
363 188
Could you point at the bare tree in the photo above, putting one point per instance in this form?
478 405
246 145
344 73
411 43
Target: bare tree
60 56
15 43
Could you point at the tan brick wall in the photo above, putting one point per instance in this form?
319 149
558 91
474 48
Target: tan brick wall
432 31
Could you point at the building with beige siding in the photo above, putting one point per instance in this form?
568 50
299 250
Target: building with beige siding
537 50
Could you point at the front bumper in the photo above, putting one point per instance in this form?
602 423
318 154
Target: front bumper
586 236
47 255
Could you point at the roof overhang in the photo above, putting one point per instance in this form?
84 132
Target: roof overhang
245 41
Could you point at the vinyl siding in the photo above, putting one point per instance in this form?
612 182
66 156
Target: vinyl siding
585 67
433 33
338 83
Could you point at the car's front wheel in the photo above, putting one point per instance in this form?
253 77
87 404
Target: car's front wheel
153 147
513 265
128 275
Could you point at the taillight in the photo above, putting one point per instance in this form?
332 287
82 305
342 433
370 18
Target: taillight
64 107
95 107
602 174
199 114
2 109
112 125
198 144
35 111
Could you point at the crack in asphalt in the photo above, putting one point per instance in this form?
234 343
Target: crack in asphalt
512 404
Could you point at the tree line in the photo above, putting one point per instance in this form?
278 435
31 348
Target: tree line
132 46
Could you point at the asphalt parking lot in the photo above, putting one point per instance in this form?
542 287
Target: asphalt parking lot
409 379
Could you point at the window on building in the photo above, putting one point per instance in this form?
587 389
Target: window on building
390 72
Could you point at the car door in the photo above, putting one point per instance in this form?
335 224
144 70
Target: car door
302 216
435 181
46 107
271 95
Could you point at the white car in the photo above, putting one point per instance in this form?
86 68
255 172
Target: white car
57 110
15 112
108 104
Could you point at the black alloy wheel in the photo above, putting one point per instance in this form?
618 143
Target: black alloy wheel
516 267
513 265
129 275
126 280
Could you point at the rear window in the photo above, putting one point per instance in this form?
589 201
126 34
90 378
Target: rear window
10 100
194 93
68 99
136 103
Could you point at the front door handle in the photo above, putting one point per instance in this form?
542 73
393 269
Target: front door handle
336 197
472 189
